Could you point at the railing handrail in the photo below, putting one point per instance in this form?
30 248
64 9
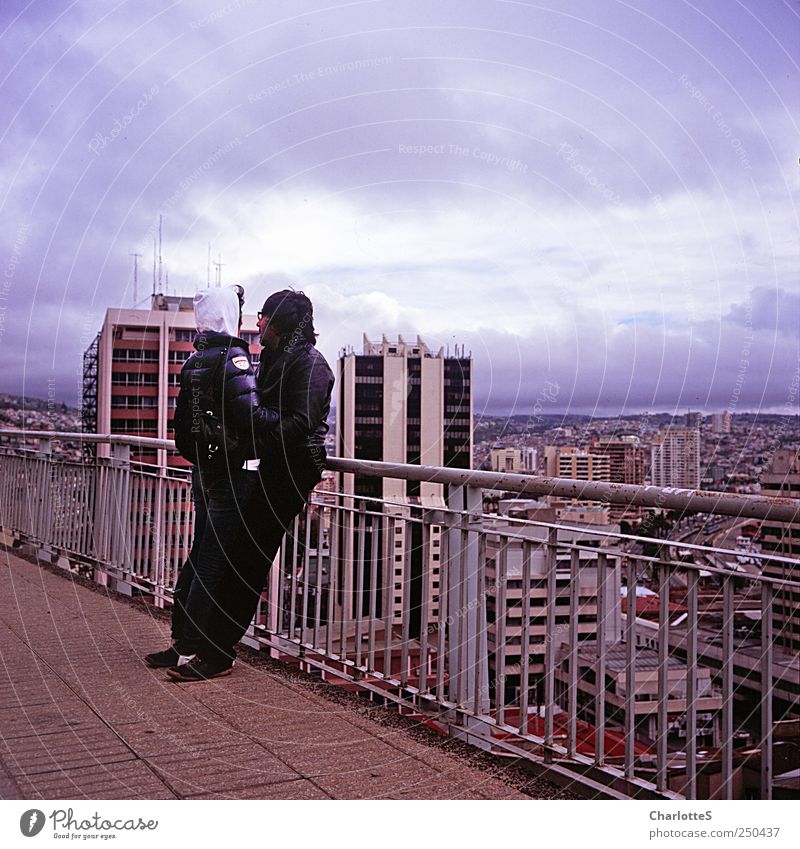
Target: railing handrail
742 506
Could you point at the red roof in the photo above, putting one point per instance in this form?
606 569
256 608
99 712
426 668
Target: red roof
614 740
647 606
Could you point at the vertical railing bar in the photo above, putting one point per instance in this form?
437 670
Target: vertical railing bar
444 601
406 614
320 512
600 663
422 670
307 518
574 638
727 688
348 521
333 574
169 533
361 537
690 789
158 523
766 689
477 701
281 600
461 629
525 640
630 667
293 591
663 675
388 579
500 618
374 547
136 506
550 643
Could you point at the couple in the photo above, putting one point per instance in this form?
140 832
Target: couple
249 483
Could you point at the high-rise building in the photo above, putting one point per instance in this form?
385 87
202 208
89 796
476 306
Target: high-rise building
401 402
626 465
569 461
675 458
513 460
721 422
781 478
693 419
132 384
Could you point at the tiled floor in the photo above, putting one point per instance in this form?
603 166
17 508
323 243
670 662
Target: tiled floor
82 717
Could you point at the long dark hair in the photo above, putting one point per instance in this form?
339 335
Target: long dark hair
291 315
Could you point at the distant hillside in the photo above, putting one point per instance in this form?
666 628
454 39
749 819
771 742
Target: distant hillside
22 413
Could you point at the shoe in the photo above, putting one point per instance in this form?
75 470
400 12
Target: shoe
198 670
165 659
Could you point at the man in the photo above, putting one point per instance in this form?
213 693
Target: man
293 378
218 385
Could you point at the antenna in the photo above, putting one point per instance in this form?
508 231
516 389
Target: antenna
136 258
154 265
219 265
160 263
208 268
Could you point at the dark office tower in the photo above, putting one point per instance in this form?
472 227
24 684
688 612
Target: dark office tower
401 402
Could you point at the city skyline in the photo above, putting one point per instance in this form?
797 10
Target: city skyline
598 198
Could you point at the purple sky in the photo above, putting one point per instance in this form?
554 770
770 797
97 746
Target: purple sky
601 195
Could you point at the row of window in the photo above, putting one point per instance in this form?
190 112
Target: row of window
134 355
134 402
128 378
133 426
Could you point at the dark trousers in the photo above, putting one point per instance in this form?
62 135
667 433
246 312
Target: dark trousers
273 505
220 499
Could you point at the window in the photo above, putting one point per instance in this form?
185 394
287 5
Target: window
134 355
124 378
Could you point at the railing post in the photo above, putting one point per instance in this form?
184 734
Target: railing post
467 619
42 523
120 492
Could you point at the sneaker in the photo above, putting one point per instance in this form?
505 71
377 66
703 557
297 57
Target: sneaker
165 659
199 670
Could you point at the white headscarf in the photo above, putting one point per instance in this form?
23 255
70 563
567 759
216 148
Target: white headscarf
217 311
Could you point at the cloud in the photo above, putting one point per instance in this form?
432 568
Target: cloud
564 190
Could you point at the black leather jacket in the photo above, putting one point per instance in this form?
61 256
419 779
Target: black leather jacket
297 381
221 369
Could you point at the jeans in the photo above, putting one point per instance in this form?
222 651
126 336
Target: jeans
219 502
275 500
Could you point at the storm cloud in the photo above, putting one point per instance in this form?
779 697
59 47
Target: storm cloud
603 195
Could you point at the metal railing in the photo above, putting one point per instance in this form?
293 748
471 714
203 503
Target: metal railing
506 632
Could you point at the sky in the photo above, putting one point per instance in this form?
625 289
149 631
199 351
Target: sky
598 199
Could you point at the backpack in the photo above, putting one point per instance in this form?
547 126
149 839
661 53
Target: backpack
200 435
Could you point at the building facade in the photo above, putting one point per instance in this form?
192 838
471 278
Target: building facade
625 465
781 478
675 458
401 402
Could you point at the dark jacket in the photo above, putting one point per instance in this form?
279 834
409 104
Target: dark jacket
297 381
220 375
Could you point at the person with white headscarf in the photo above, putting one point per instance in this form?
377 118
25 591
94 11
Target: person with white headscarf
218 422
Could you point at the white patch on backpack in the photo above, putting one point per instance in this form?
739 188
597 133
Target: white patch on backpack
241 362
